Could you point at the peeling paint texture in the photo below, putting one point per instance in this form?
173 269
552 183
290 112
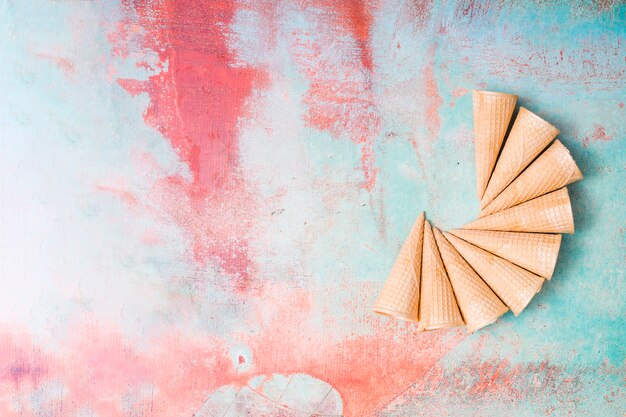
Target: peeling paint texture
200 201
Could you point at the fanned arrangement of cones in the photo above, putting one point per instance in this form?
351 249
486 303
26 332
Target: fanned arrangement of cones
473 275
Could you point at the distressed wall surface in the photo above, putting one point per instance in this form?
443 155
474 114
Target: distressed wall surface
201 199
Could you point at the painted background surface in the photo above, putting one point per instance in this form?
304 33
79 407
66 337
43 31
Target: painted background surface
201 199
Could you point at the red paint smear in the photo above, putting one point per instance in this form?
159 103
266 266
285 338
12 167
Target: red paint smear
355 16
102 371
196 104
340 98
599 135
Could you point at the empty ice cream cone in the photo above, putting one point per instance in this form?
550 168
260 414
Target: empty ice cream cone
492 115
536 252
551 213
554 169
399 297
529 135
514 285
478 303
438 306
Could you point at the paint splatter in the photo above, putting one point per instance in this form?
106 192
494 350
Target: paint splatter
475 11
598 135
542 384
599 65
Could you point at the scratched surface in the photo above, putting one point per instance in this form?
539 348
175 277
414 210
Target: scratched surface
201 199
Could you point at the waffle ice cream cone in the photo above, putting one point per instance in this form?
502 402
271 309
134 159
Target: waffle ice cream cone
515 286
551 213
554 169
529 135
492 115
399 297
536 252
438 306
478 303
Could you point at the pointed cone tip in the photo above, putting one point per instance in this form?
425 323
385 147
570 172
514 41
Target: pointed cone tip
524 110
576 175
393 314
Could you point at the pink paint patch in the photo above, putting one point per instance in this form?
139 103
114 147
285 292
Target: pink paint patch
219 222
599 135
101 371
21 364
207 139
340 99
197 107
356 18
